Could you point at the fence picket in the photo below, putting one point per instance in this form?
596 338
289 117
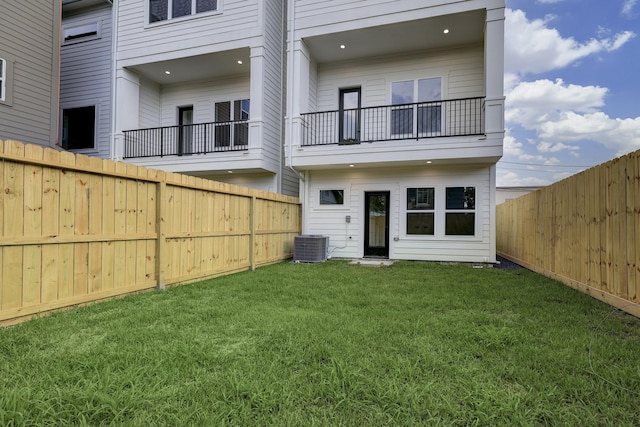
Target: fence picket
588 231
74 229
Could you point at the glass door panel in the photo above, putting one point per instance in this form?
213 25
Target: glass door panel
376 233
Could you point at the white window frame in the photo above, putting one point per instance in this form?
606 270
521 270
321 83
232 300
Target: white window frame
3 78
345 198
474 211
80 37
421 208
414 108
440 212
170 19
233 120
6 62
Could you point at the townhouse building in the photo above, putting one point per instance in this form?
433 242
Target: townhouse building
385 116
396 124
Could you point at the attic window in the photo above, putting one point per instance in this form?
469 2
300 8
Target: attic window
162 10
81 33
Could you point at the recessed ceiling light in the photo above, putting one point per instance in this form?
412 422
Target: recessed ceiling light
352 166
446 31
342 46
167 72
428 162
240 62
229 171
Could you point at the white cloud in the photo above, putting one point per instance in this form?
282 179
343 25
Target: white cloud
627 7
621 135
561 113
512 179
532 47
554 147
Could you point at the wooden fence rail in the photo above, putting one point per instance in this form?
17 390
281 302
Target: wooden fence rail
583 231
75 229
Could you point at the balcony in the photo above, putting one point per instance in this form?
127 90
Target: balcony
201 138
423 120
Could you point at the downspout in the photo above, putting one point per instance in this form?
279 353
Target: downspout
290 77
114 92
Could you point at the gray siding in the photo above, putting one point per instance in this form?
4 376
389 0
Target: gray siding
86 74
29 38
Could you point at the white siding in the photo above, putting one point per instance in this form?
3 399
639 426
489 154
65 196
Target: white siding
313 16
86 75
29 36
202 96
150 102
347 239
237 21
259 181
461 70
273 86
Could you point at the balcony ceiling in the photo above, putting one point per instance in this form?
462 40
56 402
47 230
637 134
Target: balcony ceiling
412 36
73 5
197 68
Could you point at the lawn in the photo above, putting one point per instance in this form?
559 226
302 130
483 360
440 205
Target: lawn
330 344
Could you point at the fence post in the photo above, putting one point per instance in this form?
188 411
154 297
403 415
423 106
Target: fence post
161 245
252 235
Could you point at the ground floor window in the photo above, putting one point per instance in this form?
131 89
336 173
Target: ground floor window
448 211
331 197
460 216
421 211
78 127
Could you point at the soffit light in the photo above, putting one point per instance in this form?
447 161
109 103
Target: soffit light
240 62
352 166
167 72
446 31
342 46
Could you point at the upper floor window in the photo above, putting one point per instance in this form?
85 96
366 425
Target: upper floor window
416 108
3 74
161 10
81 33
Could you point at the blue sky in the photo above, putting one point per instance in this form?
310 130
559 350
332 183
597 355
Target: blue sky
572 86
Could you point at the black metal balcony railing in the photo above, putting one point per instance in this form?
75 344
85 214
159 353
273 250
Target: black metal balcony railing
457 117
201 138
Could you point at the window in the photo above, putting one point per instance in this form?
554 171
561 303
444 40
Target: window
460 217
161 10
232 124
417 112
421 211
78 127
81 33
3 77
331 197
6 76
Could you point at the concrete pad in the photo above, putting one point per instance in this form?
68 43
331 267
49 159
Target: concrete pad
372 262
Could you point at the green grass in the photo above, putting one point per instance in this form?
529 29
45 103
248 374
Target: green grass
330 344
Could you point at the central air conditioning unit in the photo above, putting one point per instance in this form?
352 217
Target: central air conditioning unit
310 248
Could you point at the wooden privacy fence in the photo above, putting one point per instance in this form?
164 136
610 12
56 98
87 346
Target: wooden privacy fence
75 229
583 231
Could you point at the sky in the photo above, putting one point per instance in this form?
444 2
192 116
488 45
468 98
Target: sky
572 87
